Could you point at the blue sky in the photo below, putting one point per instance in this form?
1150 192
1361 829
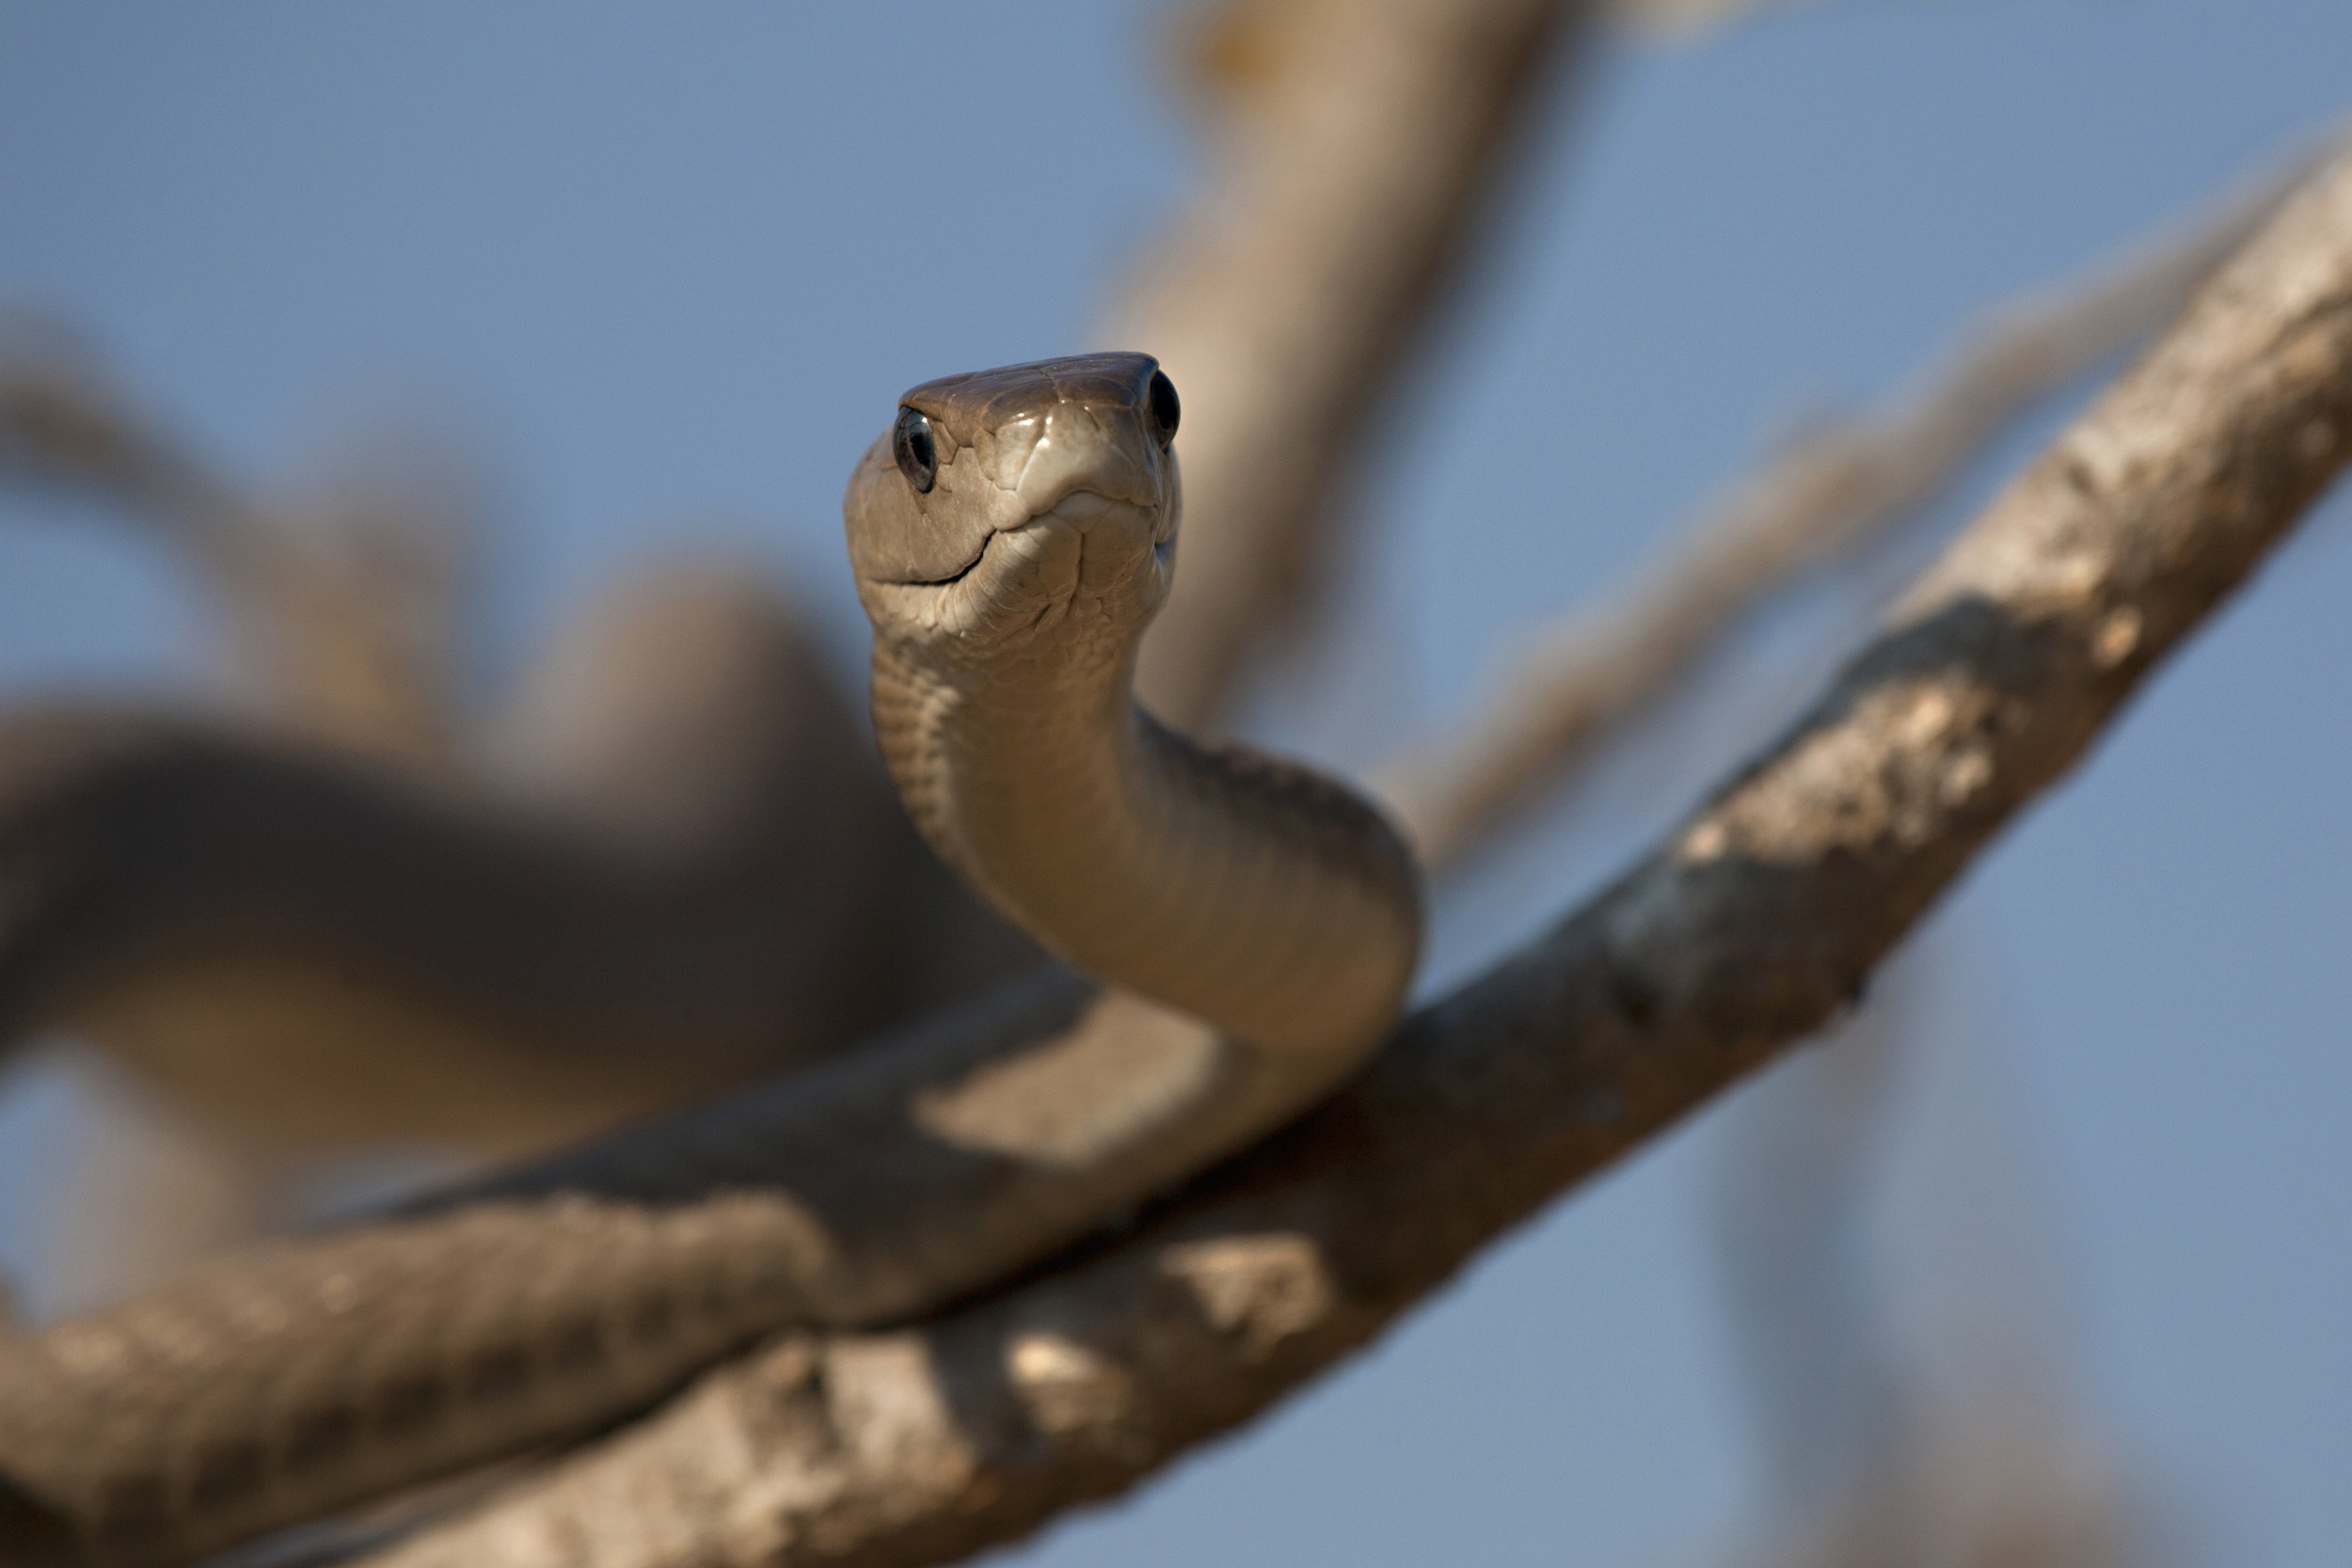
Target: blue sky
658 266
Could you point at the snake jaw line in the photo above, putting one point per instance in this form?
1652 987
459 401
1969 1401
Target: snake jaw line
953 578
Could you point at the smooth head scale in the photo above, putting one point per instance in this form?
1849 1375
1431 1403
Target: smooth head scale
1031 503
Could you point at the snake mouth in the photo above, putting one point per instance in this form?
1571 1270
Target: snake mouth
1082 508
960 573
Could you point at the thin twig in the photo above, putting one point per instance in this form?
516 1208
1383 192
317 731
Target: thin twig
61 426
1833 495
342 628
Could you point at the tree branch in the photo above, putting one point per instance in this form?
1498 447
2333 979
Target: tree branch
342 628
1752 925
1356 150
60 426
1833 495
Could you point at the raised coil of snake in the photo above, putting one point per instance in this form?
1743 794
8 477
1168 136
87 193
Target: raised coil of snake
1241 934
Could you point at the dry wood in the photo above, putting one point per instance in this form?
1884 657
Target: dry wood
1752 925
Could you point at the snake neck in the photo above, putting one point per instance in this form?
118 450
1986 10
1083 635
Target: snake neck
1234 886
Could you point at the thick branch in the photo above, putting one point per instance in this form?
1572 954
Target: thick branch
1358 146
1832 496
1753 926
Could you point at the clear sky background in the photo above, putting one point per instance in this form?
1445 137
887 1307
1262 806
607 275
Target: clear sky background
665 268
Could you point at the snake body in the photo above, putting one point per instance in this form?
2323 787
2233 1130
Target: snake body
1009 573
1249 926
622 910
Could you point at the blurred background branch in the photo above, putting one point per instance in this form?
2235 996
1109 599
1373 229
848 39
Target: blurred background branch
1356 150
342 619
1835 491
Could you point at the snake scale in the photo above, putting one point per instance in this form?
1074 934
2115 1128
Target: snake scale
1240 933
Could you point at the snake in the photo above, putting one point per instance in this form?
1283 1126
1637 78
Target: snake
310 950
1236 935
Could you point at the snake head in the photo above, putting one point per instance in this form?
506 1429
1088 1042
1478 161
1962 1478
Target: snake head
1033 501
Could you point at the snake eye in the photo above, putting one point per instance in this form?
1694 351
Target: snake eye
917 453
1165 410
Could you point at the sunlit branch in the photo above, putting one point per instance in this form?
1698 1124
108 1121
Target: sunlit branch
1754 924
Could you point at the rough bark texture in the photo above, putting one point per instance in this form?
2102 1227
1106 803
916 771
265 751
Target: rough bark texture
1753 926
